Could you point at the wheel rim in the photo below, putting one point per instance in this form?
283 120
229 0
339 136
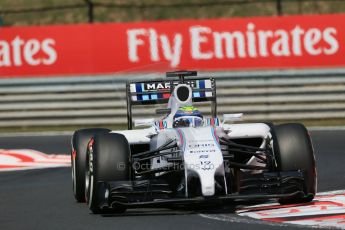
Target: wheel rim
73 178
87 180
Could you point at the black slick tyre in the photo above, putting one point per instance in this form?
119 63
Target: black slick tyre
79 143
108 159
295 152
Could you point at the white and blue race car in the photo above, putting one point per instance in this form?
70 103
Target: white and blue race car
186 158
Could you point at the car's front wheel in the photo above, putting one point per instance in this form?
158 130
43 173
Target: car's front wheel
79 142
108 159
295 152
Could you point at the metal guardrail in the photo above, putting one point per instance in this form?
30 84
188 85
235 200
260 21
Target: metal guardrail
100 100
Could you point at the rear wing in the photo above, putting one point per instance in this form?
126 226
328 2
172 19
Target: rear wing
159 91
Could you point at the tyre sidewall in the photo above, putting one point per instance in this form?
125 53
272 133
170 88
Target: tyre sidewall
79 143
108 160
296 153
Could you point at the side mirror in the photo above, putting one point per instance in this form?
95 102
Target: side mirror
232 117
144 122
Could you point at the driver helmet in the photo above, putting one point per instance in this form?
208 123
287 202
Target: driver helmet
188 116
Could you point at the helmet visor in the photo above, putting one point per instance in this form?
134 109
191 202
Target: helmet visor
192 121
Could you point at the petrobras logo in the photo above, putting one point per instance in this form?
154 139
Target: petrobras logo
201 145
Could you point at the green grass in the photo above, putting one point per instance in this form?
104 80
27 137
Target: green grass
139 10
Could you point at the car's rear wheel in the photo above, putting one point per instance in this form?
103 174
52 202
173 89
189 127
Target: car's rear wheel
108 159
295 152
79 143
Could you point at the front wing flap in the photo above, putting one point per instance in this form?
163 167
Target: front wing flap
156 193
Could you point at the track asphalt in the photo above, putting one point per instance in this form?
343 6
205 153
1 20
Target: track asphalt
42 199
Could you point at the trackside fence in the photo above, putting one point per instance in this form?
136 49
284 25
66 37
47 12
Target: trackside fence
100 100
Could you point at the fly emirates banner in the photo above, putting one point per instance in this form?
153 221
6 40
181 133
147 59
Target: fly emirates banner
212 45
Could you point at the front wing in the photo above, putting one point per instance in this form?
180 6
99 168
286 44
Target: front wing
156 193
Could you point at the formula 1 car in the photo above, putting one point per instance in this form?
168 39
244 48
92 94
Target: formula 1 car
188 159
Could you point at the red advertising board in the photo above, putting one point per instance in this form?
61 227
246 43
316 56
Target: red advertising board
216 44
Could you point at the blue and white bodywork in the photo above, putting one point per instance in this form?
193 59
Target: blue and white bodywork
198 147
186 158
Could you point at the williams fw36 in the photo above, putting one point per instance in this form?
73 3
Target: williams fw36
186 158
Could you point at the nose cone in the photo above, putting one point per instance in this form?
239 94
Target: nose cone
207 185
202 157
